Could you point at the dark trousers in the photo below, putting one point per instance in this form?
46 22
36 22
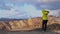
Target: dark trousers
44 25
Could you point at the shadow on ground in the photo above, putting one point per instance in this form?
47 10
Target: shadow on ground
53 27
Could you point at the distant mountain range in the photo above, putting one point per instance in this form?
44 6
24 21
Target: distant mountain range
18 25
8 19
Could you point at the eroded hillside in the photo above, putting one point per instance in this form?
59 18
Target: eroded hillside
31 23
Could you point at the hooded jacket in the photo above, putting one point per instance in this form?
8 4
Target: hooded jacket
45 13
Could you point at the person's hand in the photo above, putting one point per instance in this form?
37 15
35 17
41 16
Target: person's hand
48 11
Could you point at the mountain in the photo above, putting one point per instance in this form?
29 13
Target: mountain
31 23
9 19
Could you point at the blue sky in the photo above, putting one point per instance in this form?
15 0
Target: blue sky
28 8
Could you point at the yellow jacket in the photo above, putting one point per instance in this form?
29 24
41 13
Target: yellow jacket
45 13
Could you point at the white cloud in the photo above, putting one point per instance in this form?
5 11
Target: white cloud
33 1
28 10
55 12
20 12
47 1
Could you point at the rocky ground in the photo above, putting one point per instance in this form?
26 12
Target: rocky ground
28 32
30 24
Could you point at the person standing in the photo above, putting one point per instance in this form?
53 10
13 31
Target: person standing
44 19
